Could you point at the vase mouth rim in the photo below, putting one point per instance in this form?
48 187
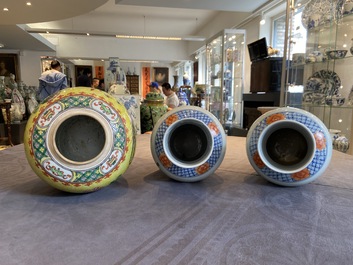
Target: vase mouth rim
66 161
300 129
207 134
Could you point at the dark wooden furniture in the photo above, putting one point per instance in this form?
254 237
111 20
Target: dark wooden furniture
266 75
254 100
7 107
133 84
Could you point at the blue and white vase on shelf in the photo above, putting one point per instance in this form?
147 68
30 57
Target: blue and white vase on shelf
188 144
289 146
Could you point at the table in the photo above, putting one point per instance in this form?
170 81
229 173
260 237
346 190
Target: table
232 217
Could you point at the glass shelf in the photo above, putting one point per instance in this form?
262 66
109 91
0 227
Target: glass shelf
337 79
225 76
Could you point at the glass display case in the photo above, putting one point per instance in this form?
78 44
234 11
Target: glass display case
225 76
321 72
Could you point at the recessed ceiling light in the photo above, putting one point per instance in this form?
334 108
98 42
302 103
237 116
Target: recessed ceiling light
87 34
29 3
5 9
2 45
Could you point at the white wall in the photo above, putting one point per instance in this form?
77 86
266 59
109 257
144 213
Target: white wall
30 66
133 49
252 34
163 51
224 20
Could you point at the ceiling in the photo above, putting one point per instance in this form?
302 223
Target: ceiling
153 17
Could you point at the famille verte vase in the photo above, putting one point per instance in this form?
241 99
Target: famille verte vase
188 143
79 140
152 109
289 146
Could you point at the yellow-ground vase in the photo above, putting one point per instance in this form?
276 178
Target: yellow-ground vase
79 140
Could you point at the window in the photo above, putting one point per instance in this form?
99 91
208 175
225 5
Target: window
298 33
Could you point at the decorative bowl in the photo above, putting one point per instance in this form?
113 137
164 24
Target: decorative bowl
336 54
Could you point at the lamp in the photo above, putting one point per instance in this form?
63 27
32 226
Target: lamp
263 20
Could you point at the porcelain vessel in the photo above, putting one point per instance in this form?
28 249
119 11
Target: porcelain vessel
341 143
176 83
289 146
188 144
79 140
152 109
132 105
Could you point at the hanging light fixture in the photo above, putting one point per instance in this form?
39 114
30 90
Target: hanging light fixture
263 20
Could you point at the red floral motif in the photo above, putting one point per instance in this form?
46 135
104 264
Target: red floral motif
203 168
320 140
258 161
164 160
214 129
275 117
171 119
303 174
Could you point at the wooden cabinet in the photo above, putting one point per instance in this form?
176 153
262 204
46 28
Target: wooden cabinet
266 75
133 84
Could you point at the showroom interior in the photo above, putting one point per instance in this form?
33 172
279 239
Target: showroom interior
194 26
244 68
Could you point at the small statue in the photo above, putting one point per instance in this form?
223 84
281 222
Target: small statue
272 51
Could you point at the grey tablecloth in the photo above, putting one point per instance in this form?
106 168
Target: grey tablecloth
232 217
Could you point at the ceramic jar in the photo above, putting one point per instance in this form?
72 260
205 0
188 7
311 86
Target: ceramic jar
79 140
16 115
176 82
152 109
348 7
341 143
289 146
5 93
334 134
188 144
183 98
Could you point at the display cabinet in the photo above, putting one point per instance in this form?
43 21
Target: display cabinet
323 68
133 84
225 76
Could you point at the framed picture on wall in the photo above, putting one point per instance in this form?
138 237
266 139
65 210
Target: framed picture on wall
99 70
9 65
160 74
46 64
79 69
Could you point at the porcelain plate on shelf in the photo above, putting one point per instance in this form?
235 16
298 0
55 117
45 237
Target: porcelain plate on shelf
324 83
318 12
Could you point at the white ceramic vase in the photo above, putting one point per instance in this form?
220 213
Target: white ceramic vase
289 146
188 143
